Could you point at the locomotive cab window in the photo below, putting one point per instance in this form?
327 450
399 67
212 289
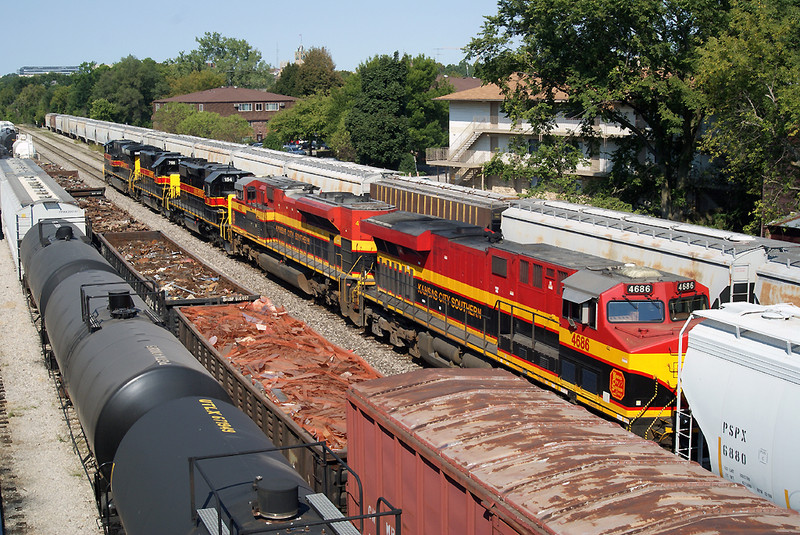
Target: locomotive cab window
584 313
627 311
681 308
251 194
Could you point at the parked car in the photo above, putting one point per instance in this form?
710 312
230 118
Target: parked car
294 149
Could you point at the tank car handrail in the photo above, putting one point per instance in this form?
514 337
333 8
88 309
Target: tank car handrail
312 446
91 323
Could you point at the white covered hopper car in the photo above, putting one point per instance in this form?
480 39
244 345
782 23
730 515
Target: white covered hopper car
741 378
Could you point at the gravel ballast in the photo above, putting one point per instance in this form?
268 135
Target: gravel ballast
44 487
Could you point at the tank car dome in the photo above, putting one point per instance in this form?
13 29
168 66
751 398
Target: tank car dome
24 148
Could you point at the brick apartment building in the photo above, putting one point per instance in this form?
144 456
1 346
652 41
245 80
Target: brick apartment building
257 107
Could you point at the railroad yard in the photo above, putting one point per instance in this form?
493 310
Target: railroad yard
32 429
295 370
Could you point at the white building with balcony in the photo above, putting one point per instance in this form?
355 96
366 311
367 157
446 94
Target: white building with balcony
478 129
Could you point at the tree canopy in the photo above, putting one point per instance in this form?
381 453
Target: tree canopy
130 86
749 74
180 118
607 56
378 124
235 59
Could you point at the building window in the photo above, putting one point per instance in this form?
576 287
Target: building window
246 107
158 106
199 107
259 106
272 106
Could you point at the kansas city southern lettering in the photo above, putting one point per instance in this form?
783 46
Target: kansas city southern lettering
451 301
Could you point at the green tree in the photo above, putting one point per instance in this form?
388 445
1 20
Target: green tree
168 117
103 110
59 102
200 124
750 76
131 85
342 100
286 84
235 59
80 95
464 68
548 165
195 81
233 128
307 119
377 123
428 119
213 126
608 56
29 107
317 73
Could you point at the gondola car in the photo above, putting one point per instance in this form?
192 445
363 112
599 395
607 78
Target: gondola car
602 332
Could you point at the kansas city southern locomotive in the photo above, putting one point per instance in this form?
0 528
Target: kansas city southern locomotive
599 331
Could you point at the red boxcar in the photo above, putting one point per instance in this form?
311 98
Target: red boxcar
469 452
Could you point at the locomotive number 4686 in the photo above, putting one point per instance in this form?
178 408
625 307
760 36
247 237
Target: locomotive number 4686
580 341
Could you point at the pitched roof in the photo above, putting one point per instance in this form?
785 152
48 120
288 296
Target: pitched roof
488 92
484 92
460 83
229 94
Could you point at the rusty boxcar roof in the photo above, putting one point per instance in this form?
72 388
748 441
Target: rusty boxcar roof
552 464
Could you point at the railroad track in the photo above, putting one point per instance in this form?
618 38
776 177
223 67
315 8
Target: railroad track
84 160
332 326
11 517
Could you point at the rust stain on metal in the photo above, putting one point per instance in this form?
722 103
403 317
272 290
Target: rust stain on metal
772 293
301 372
553 463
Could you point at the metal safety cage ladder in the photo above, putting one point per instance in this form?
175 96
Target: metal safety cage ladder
684 422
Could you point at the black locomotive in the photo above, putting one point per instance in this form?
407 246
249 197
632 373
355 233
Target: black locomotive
177 455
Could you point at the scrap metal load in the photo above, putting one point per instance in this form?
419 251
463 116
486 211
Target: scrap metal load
102 215
166 275
179 275
300 371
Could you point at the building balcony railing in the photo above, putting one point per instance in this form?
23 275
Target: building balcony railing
473 159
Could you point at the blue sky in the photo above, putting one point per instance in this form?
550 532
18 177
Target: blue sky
58 32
